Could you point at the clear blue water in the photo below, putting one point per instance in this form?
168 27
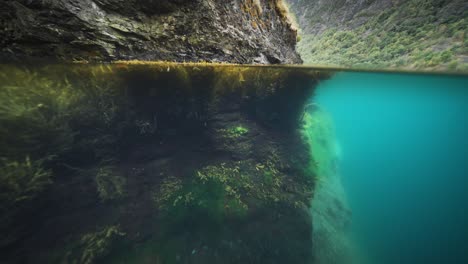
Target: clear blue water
404 140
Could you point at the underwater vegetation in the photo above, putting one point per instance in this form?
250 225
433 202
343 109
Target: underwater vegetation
235 132
155 162
93 246
21 181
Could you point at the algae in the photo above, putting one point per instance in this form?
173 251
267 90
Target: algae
21 181
91 247
177 155
234 132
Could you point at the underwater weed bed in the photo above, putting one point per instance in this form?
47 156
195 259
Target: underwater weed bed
112 158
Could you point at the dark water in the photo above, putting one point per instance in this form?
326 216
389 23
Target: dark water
404 141
155 163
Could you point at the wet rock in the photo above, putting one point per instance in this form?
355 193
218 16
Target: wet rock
174 30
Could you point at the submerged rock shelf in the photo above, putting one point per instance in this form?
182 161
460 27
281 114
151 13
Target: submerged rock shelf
155 163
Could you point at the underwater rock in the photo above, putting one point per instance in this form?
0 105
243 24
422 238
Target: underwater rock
234 31
330 210
148 162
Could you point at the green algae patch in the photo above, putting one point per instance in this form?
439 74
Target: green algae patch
187 159
234 132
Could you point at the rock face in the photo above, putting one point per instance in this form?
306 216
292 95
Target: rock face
415 34
238 31
330 210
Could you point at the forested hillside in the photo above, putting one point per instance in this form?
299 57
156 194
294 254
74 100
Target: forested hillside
421 34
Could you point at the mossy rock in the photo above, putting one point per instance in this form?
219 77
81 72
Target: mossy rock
180 157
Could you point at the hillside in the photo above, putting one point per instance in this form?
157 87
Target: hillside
418 34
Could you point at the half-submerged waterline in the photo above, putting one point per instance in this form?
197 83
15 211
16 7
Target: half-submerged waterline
173 163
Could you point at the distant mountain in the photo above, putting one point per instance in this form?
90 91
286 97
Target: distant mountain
422 34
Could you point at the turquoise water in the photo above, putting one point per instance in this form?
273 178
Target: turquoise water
404 163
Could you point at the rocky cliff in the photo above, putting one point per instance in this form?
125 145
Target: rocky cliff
330 210
238 31
421 34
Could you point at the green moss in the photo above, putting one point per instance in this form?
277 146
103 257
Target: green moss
234 132
240 130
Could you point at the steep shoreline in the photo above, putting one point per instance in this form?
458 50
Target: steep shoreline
236 31
378 34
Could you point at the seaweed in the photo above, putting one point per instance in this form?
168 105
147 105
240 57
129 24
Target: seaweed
183 155
92 247
21 181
